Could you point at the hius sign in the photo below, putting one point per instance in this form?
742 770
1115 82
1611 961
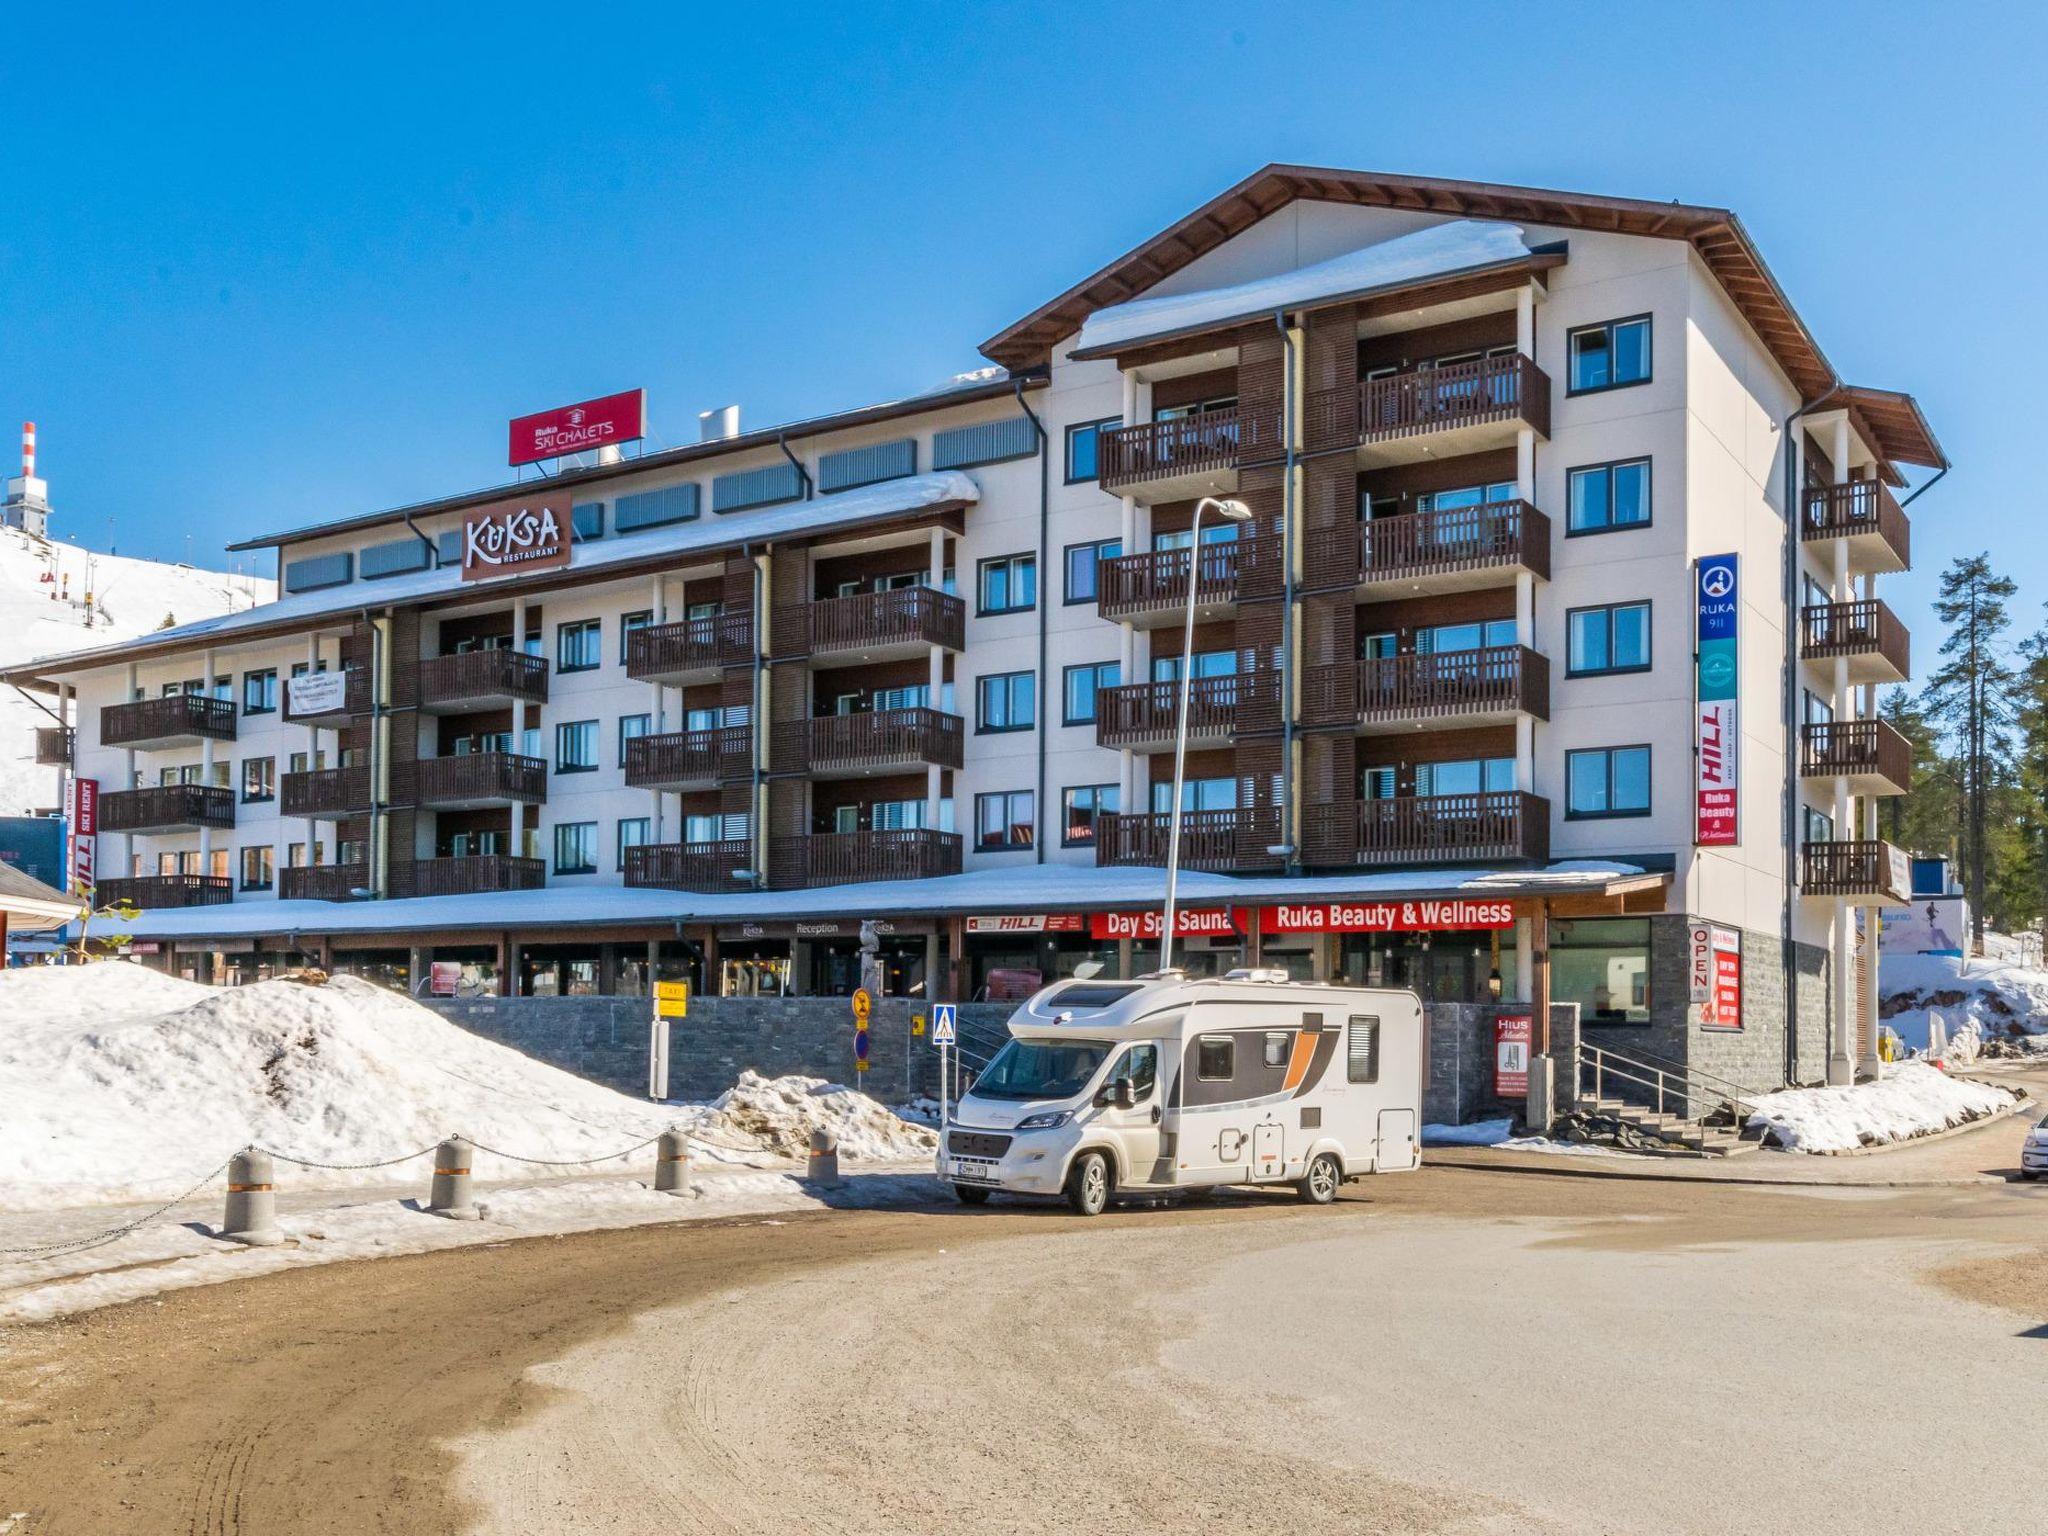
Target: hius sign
1718 744
516 538
601 423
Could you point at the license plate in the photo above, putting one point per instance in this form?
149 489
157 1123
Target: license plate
977 1173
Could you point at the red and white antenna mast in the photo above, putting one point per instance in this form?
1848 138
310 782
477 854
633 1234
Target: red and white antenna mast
28 450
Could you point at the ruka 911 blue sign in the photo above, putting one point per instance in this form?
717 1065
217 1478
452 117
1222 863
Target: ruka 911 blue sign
1716 675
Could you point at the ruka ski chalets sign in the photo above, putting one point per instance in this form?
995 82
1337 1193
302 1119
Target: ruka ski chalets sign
516 537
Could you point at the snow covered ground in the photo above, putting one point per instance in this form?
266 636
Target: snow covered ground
1997 998
46 618
1914 1099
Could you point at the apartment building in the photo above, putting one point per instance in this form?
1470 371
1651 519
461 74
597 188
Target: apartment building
1545 665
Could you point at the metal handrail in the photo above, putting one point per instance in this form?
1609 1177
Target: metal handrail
1643 1057
1606 1063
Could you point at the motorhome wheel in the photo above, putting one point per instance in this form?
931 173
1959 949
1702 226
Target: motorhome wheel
970 1194
1319 1185
1088 1184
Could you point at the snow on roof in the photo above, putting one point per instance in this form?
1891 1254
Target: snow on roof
869 503
1457 245
1035 887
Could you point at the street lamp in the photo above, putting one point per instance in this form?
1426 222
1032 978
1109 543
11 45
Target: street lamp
1237 512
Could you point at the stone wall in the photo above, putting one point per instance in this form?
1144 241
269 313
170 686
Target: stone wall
1459 1087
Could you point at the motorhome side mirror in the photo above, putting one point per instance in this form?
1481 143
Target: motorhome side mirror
1126 1094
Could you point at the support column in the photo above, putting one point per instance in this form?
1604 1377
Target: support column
206 763
417 961
1525 963
934 958
518 731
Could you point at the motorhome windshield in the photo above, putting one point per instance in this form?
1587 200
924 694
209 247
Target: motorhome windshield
1040 1069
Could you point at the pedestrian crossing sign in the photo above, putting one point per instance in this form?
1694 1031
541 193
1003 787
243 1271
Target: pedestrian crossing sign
943 1017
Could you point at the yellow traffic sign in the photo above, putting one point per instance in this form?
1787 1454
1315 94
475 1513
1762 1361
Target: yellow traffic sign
671 999
863 1005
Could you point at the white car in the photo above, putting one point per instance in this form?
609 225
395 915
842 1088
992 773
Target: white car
2034 1152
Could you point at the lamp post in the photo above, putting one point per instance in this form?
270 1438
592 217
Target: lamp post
1236 512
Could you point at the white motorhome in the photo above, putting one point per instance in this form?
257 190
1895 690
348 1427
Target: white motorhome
1172 1082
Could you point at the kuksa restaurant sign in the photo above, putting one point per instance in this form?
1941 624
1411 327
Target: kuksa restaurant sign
602 423
511 537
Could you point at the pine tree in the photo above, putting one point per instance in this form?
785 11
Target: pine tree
1925 818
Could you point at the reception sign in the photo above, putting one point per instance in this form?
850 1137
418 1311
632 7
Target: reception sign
1718 744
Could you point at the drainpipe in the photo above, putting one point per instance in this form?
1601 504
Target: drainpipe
782 442
757 813
1044 698
1925 488
377 860
1288 406
433 549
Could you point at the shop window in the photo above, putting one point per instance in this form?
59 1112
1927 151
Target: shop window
1603 965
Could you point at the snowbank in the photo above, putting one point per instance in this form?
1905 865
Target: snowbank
1914 1099
1999 999
780 1113
1481 1133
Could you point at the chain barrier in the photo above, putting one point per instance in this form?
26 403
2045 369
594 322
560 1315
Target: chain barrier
567 1162
307 1162
80 1244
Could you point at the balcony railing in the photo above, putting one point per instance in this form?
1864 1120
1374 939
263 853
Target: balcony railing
1494 680
690 866
355 700
55 745
1138 714
468 875
905 618
1865 632
1864 512
1429 829
176 719
167 808
165 891
1184 445
1499 536
1856 749
683 758
1132 586
868 743
1855 869
322 882
325 792
1224 842
846 858
690 646
1487 390
482 778
482 680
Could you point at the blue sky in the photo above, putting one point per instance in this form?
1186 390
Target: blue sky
265 267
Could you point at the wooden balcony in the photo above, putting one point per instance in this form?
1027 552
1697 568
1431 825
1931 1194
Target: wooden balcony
1455 549
355 701
1865 873
691 650
167 808
1440 412
881 741
470 875
322 882
1223 842
157 891
1870 754
872 626
1147 715
1866 514
680 760
476 680
327 794
1865 633
847 858
476 779
175 720
1185 455
1489 686
55 745
690 866
1505 826
1152 589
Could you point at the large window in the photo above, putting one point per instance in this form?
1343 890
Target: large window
257 872
579 647
1166 669
1610 355
1195 795
1465 776
1083 563
1080 686
259 692
576 746
1008 702
1607 497
1440 638
1607 781
1004 820
575 847
1008 584
1613 638
259 779
1079 806
1603 965
1083 443
634 832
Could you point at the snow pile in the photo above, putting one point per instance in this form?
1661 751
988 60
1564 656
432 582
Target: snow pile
779 1114
1914 1099
2001 1000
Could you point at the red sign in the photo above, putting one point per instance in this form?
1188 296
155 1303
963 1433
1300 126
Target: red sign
1057 922
1512 1034
1718 748
85 832
1188 923
620 418
1386 916
515 537
1723 1009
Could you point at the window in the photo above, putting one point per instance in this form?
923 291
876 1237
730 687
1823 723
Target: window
1080 688
575 847
1276 1051
259 692
630 624
1083 443
1008 702
634 832
1195 795
259 779
1139 1067
1008 583
1607 781
301 761
257 872
576 746
579 647
1465 776
1615 638
897 815
1082 563
908 696
1814 709
1603 965
1215 1058
1362 1050
707 829
1607 497
1184 538
1610 356
1004 820
1079 807
1817 826
1166 669
1440 639
630 728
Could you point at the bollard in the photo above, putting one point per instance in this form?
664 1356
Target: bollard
450 1196
823 1167
672 1164
252 1201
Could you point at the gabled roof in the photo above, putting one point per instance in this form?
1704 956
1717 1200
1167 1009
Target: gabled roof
1893 425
